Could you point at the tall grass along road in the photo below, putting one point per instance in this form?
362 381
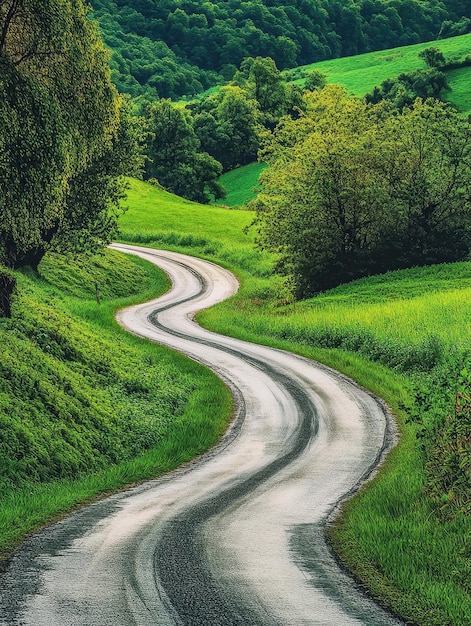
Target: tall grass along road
237 536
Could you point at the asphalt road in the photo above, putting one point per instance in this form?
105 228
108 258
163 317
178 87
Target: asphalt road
237 536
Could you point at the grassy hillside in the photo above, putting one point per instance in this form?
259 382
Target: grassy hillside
359 74
159 218
85 407
389 333
240 184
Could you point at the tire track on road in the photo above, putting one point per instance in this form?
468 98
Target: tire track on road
236 537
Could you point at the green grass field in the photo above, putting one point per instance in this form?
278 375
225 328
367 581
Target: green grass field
159 218
384 332
240 184
359 74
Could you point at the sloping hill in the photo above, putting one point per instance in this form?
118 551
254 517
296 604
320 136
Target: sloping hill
361 73
170 48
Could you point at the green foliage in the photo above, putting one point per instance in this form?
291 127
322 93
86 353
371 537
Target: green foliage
353 190
442 409
265 83
190 145
174 154
7 287
69 404
453 29
56 102
403 90
433 57
161 49
228 125
315 80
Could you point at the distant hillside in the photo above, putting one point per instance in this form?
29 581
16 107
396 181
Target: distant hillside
362 73
169 48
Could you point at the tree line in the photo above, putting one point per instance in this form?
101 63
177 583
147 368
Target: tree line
420 83
191 144
170 48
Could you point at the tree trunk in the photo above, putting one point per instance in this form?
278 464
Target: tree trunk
7 286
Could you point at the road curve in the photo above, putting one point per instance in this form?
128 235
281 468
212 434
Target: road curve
237 536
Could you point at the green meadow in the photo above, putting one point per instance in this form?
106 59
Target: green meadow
387 332
359 74
158 218
240 184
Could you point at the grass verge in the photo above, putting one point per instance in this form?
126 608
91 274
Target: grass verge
85 407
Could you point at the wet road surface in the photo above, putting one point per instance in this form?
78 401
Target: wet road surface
237 536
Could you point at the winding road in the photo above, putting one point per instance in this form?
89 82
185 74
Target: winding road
237 536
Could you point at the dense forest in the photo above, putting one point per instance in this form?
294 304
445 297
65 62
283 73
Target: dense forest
169 48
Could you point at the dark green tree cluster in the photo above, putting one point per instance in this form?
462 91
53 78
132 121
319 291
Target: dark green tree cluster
65 134
458 21
148 68
228 125
354 189
168 48
175 157
421 83
403 90
190 145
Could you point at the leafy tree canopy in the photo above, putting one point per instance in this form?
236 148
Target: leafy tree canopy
354 189
60 121
228 125
166 48
175 158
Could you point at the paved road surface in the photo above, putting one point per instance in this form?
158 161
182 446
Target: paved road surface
236 537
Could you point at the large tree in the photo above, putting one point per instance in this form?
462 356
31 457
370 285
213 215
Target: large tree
228 126
60 117
264 82
354 189
175 156
428 168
